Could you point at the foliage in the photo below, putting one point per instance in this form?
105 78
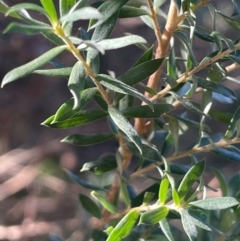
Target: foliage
160 122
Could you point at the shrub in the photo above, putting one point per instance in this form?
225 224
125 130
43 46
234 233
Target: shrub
149 131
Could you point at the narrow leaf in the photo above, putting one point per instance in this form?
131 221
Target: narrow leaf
50 9
166 229
76 83
191 176
81 118
216 87
145 112
123 124
90 206
61 72
147 56
116 43
124 227
27 29
154 216
81 14
102 165
119 86
215 203
221 180
28 68
232 126
163 190
131 12
83 183
110 207
108 9
65 6
125 194
189 226
27 6
86 140
66 111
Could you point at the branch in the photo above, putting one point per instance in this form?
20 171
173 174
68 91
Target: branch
222 143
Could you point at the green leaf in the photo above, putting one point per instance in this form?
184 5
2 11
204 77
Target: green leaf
124 227
145 112
190 177
188 225
81 118
221 180
215 87
125 193
185 41
123 124
28 68
86 140
232 22
232 126
149 151
90 206
4 8
216 73
27 29
101 32
131 12
215 203
154 216
110 207
76 83
141 71
166 229
65 6
163 190
79 4
234 58
147 56
66 110
119 86
175 195
27 6
116 43
81 14
108 9
102 165
60 72
186 103
50 9
83 183
174 130
148 197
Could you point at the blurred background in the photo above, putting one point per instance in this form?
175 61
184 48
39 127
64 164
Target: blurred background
36 196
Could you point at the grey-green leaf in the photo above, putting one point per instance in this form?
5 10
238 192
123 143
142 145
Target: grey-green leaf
188 225
76 83
27 29
61 72
131 12
216 203
124 227
90 206
28 68
164 225
81 14
65 6
121 121
116 43
86 140
154 215
119 86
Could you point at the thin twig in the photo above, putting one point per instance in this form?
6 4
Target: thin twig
207 148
